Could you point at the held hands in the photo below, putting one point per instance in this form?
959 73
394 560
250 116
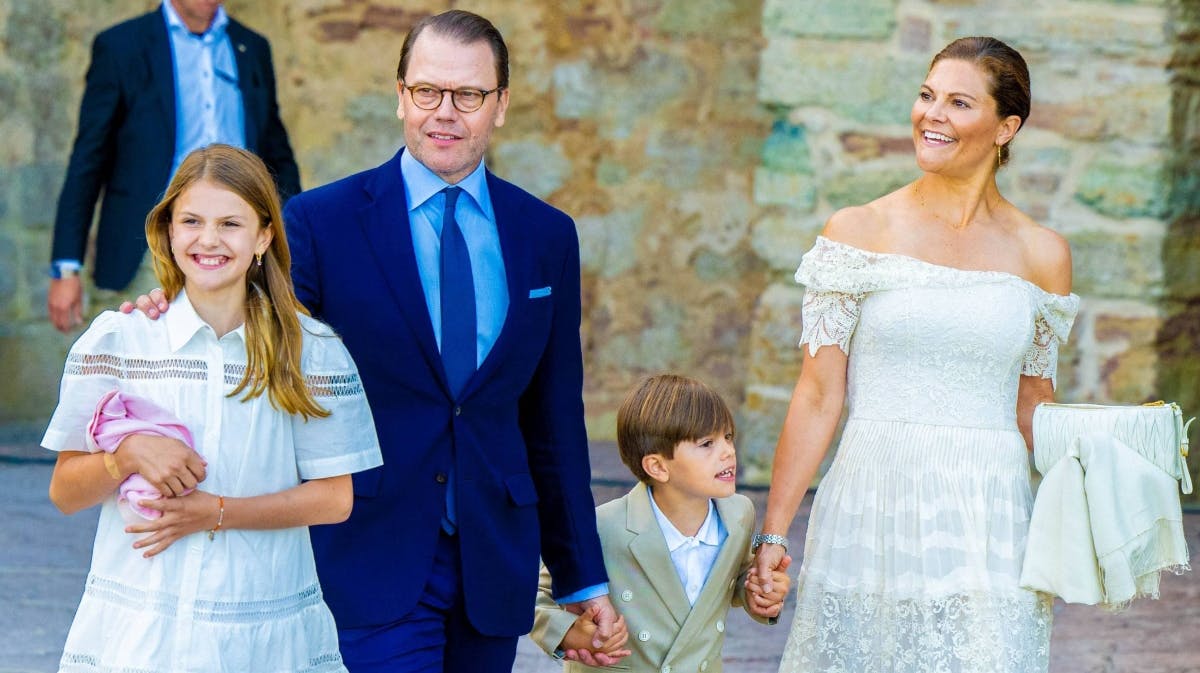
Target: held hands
765 594
153 305
579 642
182 516
168 464
605 633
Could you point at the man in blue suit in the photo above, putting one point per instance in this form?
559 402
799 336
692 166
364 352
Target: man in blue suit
457 293
159 86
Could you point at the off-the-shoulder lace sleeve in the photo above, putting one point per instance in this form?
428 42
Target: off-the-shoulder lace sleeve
836 278
1051 326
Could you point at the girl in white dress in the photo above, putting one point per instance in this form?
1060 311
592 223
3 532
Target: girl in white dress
224 580
935 312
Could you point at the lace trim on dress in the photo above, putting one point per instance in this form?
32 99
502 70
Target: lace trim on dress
191 369
963 633
104 364
77 662
166 604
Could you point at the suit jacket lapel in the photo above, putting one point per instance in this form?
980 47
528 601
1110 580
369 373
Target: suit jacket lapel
385 224
714 600
158 55
649 549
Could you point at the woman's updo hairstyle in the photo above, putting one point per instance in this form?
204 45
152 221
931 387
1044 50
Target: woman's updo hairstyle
1007 70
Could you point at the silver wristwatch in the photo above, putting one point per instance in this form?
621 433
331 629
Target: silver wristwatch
759 540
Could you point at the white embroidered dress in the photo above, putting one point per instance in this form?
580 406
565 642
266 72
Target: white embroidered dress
248 600
917 532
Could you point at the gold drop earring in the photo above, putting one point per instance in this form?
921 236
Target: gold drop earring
258 257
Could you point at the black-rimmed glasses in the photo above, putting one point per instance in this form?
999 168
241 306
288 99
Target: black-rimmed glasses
429 97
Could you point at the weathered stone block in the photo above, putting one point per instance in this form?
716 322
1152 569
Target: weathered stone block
1117 265
775 356
1130 377
759 421
859 187
703 18
536 165
795 190
860 19
608 244
786 149
1125 187
780 240
31 364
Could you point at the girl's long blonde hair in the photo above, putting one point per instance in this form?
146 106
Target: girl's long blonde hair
273 333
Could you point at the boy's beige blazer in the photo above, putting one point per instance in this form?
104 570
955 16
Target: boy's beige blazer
665 633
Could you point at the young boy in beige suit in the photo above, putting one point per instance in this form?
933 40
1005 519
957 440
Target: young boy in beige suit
676 547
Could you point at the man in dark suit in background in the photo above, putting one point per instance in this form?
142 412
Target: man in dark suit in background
159 86
458 294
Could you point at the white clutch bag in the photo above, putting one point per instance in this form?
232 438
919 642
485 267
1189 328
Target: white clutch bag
1156 431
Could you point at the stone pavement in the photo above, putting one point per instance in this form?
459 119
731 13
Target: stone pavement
44 557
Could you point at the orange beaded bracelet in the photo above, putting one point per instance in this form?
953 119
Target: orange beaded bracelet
220 516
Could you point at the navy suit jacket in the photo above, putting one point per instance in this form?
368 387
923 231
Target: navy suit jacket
126 140
514 436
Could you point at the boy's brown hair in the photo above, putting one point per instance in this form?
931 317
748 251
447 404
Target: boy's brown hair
664 410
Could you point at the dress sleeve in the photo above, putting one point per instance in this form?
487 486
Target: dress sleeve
1051 326
836 279
828 318
343 442
95 366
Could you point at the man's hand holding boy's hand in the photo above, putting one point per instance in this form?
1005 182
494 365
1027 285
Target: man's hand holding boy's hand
578 644
764 603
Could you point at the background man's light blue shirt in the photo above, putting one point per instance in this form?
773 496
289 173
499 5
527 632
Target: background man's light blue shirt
208 100
477 220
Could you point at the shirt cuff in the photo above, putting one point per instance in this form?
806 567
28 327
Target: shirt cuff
588 593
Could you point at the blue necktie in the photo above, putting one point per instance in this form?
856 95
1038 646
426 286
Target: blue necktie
458 320
458 300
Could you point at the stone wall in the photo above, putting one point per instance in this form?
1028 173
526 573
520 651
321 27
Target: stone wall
700 145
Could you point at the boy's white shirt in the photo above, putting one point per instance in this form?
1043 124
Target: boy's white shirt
694 556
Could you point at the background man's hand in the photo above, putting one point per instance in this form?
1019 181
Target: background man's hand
64 302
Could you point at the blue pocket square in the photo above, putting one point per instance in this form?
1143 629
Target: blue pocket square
540 292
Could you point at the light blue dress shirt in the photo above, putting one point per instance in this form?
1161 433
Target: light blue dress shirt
208 100
477 220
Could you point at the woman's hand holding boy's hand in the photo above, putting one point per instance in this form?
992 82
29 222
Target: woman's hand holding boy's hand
578 646
181 516
765 596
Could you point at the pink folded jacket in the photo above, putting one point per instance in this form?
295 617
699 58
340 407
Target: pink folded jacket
119 415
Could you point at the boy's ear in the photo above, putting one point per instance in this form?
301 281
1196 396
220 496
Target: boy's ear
656 466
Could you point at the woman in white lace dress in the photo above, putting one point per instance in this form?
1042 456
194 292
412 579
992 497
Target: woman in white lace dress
935 312
223 581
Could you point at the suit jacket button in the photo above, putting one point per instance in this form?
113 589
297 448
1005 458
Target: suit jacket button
457 411
644 636
720 626
627 595
440 478
666 669
704 665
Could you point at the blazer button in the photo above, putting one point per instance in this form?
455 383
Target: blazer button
644 636
666 669
720 626
458 411
627 595
704 665
440 478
